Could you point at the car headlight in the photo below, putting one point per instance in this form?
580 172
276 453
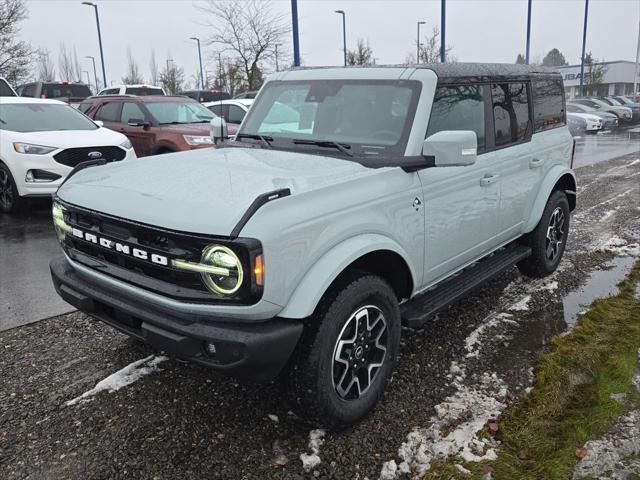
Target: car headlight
198 140
220 269
32 149
126 144
59 222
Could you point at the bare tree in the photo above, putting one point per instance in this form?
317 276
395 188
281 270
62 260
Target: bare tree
46 71
249 30
68 64
594 74
15 55
362 55
430 50
172 78
133 75
153 66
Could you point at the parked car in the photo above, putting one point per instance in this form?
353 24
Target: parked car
5 89
635 108
309 244
249 95
41 141
608 120
211 95
72 93
626 100
154 124
233 111
138 90
577 125
592 124
623 113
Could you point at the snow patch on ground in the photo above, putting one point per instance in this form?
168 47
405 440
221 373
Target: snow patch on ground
614 456
606 215
550 286
621 247
472 342
312 460
522 304
123 377
452 431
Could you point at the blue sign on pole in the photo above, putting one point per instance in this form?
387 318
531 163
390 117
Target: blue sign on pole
294 30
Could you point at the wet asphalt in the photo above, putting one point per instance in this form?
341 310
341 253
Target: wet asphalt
187 422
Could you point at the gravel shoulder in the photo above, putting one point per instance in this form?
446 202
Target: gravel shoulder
182 421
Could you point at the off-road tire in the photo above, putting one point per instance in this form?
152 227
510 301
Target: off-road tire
16 202
539 264
308 378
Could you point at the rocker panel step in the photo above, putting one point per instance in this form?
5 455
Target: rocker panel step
418 310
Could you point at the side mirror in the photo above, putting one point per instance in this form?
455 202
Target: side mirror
452 148
100 123
218 130
138 122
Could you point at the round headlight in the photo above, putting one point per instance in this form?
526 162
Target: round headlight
225 259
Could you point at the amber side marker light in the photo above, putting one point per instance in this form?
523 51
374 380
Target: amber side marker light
258 271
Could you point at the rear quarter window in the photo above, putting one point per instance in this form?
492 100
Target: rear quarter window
548 104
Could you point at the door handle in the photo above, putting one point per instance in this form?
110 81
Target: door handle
488 180
535 163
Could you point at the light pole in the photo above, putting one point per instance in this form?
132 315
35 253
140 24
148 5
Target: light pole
635 76
443 24
277 44
584 43
294 31
526 54
95 7
418 44
200 58
95 75
344 34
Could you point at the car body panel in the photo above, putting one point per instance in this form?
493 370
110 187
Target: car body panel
546 188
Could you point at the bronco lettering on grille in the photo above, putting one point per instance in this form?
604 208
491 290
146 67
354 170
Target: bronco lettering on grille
120 247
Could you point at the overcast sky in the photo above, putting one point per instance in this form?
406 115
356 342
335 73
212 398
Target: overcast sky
478 30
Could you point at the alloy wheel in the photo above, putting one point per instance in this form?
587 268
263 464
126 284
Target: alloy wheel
360 352
555 234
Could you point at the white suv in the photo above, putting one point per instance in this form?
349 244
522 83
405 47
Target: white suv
41 141
137 90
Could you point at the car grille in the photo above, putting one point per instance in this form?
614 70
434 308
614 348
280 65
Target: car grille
161 279
73 156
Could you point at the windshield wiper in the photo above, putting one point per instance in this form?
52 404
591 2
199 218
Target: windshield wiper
343 147
264 139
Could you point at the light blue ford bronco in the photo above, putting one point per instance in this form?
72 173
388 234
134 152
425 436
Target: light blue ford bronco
351 202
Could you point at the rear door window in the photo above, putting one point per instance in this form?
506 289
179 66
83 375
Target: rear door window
109 112
548 104
84 107
511 116
236 114
29 90
459 108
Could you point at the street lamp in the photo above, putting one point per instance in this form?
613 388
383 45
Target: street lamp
344 34
584 43
443 25
418 49
95 75
95 7
200 58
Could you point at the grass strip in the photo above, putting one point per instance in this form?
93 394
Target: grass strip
571 401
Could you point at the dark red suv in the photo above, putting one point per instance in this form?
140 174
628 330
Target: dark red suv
154 124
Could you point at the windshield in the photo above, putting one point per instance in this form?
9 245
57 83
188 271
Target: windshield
175 112
143 91
615 102
36 117
63 90
370 116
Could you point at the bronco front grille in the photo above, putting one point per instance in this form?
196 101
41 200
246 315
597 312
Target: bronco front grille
161 279
73 156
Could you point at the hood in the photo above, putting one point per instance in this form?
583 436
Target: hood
72 138
202 191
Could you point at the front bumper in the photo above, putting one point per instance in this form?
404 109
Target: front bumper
256 351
